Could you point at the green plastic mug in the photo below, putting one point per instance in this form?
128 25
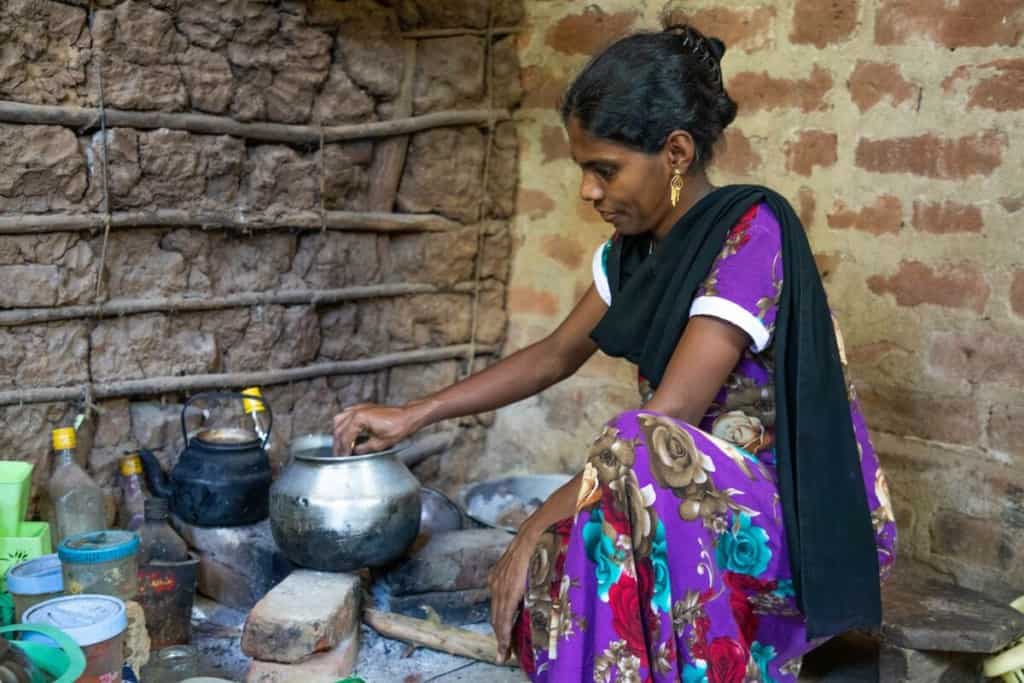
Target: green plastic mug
63 664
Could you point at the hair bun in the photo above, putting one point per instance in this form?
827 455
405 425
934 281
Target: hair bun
717 48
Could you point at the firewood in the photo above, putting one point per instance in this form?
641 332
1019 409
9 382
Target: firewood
435 636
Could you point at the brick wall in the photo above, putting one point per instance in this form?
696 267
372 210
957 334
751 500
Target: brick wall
895 128
285 63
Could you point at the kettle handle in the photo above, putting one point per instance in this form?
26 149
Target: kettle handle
228 394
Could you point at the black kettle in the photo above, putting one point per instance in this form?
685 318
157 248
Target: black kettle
222 477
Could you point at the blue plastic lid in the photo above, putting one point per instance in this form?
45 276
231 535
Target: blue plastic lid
88 619
98 546
36 577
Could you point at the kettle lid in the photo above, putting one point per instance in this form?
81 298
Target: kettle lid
228 436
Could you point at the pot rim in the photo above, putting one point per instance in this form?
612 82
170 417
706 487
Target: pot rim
320 448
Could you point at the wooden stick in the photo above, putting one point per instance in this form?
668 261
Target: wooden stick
389 155
354 221
87 118
453 32
166 385
176 304
455 641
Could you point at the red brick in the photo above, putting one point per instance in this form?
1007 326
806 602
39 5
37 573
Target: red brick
755 91
736 155
554 144
946 217
1017 293
983 358
590 31
1006 429
740 29
884 216
1012 204
812 148
950 23
566 250
905 412
541 88
533 203
934 157
870 354
823 22
527 300
870 82
806 209
953 286
999 86
827 264
983 542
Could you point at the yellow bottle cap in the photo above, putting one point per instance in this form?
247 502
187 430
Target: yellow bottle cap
131 464
249 405
63 438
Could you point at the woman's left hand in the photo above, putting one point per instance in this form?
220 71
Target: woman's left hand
507 582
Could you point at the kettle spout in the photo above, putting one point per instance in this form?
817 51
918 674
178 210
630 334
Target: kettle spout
155 475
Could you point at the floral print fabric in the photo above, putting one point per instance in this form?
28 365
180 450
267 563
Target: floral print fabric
675 567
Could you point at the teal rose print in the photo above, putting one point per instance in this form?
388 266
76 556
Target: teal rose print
744 549
601 551
695 674
762 655
661 601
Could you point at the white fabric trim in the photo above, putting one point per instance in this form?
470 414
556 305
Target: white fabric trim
604 290
730 311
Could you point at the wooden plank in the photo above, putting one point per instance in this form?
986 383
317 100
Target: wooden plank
168 385
87 118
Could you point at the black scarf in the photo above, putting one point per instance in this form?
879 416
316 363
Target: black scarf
825 511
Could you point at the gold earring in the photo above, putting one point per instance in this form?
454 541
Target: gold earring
676 186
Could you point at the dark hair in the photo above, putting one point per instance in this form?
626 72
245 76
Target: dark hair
644 86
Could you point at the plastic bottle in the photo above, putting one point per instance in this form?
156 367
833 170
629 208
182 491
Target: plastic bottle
255 409
77 500
160 543
131 513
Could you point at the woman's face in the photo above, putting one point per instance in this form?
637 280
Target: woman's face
629 189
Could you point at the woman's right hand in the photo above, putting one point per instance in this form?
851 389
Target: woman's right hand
384 425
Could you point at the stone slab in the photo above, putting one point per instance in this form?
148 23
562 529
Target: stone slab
451 561
237 565
902 665
327 667
306 613
933 615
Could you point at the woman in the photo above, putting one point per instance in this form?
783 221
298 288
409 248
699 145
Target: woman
740 515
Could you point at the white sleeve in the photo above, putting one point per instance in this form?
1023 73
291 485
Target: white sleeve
600 276
732 312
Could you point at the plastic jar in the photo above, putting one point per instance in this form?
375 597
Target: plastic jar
101 562
33 582
96 622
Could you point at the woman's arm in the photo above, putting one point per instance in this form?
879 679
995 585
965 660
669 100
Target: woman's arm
520 375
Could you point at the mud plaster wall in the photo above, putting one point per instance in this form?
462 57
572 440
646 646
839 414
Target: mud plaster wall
283 62
895 128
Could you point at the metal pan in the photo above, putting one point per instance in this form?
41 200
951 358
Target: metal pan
506 503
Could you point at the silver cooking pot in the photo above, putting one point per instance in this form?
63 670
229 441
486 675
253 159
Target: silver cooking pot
342 513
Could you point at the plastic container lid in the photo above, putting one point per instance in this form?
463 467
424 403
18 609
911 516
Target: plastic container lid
36 577
88 619
98 546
